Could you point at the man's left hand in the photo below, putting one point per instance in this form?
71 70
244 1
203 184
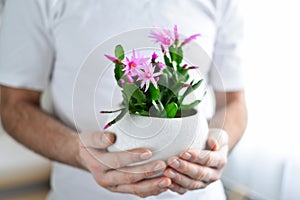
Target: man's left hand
195 169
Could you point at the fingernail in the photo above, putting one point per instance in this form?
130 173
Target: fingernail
171 174
163 190
158 167
181 190
145 155
186 156
163 184
198 185
175 164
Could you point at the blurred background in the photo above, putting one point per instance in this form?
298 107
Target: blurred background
266 163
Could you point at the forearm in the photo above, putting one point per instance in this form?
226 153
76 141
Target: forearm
231 116
29 125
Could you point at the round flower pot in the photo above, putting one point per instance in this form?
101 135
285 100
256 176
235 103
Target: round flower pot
165 137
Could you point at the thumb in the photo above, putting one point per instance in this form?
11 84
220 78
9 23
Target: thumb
97 140
213 144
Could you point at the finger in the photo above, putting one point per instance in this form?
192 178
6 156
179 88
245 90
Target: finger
215 159
116 160
177 188
97 140
148 187
217 139
194 171
133 174
213 144
183 181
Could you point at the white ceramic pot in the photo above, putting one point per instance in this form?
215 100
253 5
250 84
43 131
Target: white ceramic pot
165 137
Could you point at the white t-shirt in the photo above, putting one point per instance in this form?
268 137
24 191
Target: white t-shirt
44 42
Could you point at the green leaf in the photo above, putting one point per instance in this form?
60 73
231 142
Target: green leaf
110 111
177 87
176 54
132 92
163 79
167 61
118 72
173 53
191 105
154 92
179 56
196 85
119 52
156 106
190 89
171 110
118 118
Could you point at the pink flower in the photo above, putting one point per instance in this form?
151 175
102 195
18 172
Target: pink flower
154 57
147 76
189 39
112 58
163 49
176 33
193 67
186 85
129 78
122 81
184 66
162 36
107 126
132 65
161 65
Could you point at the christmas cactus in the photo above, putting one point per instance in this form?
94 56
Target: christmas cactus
154 87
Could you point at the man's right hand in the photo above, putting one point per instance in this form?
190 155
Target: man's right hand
111 170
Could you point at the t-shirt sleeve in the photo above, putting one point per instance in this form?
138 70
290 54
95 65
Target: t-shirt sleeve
26 47
226 72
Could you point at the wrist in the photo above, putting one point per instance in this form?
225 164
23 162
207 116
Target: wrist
78 148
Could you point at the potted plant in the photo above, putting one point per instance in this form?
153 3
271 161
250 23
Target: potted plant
153 113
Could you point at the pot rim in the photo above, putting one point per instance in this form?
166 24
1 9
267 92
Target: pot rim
186 114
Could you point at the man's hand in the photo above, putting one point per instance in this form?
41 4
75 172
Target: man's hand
195 169
111 170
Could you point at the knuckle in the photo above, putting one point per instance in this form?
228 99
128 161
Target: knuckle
156 193
102 182
223 163
115 162
143 196
209 159
182 191
138 194
216 177
179 178
201 155
130 178
201 174
184 167
93 166
148 173
193 185
134 190
203 186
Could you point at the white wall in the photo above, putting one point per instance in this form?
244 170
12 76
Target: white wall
267 160
272 64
